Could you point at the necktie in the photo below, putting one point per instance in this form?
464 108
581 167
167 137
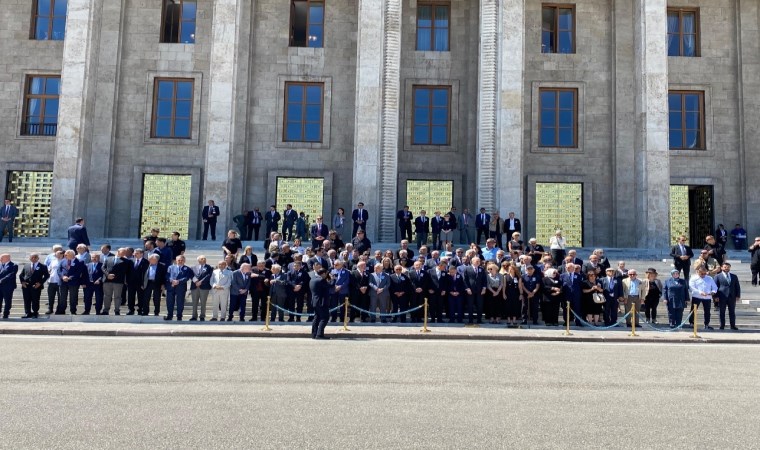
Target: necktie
483 218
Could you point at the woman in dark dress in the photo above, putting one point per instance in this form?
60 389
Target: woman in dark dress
513 287
591 310
494 299
552 297
515 244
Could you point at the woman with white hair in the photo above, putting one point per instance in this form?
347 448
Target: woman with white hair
220 291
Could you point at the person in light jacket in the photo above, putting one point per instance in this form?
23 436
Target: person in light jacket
221 279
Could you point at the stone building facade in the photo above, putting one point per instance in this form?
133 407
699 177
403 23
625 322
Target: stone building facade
619 178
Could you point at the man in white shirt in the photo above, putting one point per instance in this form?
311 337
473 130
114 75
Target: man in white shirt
702 290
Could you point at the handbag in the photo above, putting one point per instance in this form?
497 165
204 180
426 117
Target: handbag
598 298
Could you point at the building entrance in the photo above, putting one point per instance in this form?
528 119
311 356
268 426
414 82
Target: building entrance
165 204
691 213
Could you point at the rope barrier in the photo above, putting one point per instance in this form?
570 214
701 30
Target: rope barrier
587 324
302 314
666 330
387 314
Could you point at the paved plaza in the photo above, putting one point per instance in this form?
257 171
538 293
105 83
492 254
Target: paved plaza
80 392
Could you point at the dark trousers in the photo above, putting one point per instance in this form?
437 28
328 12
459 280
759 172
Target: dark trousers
53 291
558 255
7 227
575 304
731 304
295 304
70 294
415 300
212 225
421 239
530 308
705 307
755 271
134 294
270 228
550 311
6 297
89 291
435 306
406 231
152 290
31 300
356 228
475 302
456 308
683 266
650 309
335 300
287 232
611 311
399 304
483 232
496 235
258 299
253 229
175 295
362 301
676 316
321 314
237 304
436 241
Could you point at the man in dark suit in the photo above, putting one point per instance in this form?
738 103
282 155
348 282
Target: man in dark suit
482 221
437 285
319 233
200 287
360 217
290 216
93 285
422 228
33 279
176 287
319 286
253 220
153 283
272 218
70 275
613 292
78 234
116 272
298 279
360 290
475 288
682 254
419 280
571 287
729 292
512 225
404 218
436 225
209 215
8 271
8 216
135 281
400 289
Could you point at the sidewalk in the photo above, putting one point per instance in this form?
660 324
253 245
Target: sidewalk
131 326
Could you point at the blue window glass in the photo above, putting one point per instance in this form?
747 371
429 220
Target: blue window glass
49 20
557 29
178 21
307 23
431 112
557 118
40 113
303 112
686 119
683 34
173 110
433 27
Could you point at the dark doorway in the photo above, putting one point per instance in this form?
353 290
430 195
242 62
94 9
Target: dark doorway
701 214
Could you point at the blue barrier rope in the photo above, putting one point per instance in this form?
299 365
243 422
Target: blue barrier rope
664 330
387 314
303 314
587 324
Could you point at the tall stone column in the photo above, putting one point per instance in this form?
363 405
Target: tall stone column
377 114
748 62
651 165
500 105
221 106
73 143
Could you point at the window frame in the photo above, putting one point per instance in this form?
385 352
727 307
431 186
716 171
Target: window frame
556 91
43 97
431 87
304 84
154 111
51 17
432 4
556 7
308 22
179 23
697 30
702 144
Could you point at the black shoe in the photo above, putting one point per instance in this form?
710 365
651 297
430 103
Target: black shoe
5 316
252 319
168 317
27 316
131 313
203 319
49 311
117 313
213 319
735 328
155 313
524 322
86 313
323 338
179 318
193 319
722 327
708 327
36 315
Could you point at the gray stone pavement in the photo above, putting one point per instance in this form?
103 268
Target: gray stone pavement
169 393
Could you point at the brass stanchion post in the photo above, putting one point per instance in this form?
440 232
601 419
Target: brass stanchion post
425 319
266 320
694 314
633 319
345 314
567 320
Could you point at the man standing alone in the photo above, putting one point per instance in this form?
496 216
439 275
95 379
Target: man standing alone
210 213
8 215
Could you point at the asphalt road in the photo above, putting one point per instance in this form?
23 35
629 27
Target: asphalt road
61 393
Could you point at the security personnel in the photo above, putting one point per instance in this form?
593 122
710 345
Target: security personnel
33 279
532 284
320 298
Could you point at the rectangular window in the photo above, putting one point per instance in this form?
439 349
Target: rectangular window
48 20
40 114
687 120
683 32
303 112
558 29
433 27
172 108
178 22
307 23
430 115
558 117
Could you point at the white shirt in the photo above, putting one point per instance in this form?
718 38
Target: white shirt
698 284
